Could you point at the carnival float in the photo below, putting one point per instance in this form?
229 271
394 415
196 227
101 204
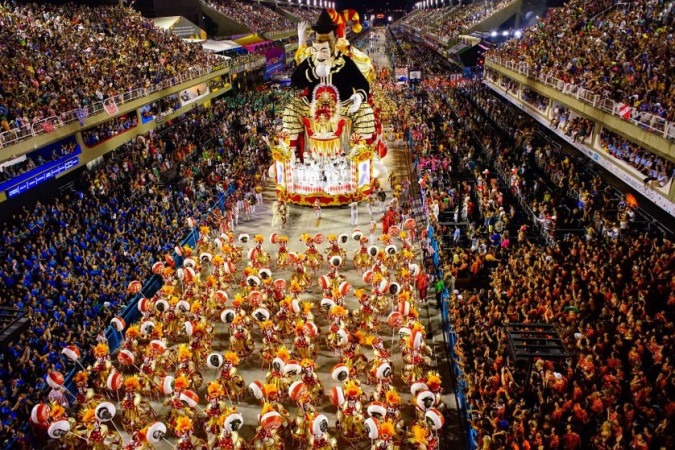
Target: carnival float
330 142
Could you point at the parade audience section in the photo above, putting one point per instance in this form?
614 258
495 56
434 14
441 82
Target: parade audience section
259 18
617 50
57 70
71 261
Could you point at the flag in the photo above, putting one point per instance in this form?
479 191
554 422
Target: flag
110 106
48 127
81 114
625 111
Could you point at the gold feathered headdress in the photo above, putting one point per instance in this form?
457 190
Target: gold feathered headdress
101 350
183 425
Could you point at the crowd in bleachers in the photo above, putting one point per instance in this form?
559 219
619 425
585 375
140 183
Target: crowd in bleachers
460 21
257 17
616 389
109 129
306 14
449 22
607 289
657 170
68 261
69 56
624 54
422 17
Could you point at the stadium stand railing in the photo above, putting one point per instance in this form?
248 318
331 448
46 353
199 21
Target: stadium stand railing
14 136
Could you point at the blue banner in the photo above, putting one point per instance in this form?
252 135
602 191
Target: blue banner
44 173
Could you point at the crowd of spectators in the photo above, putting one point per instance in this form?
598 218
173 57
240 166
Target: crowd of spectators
69 56
423 17
449 22
657 170
109 129
607 291
159 108
257 17
67 261
459 22
304 13
535 99
624 54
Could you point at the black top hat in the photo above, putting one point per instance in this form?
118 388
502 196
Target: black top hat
324 24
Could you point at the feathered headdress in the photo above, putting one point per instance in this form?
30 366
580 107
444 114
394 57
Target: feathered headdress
433 381
270 390
337 311
183 425
307 307
231 357
101 350
393 398
267 407
418 435
88 415
184 352
352 389
386 429
181 383
133 332
196 307
81 377
215 390
56 411
132 383
283 354
295 287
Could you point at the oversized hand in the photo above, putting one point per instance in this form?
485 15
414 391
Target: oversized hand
302 32
356 103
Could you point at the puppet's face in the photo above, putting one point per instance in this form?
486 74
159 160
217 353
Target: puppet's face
324 50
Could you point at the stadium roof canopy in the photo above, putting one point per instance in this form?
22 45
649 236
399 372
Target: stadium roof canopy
219 46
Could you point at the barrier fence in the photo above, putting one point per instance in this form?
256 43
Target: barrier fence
459 385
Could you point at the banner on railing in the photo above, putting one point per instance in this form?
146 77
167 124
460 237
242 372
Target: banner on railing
42 177
81 114
625 111
401 74
110 106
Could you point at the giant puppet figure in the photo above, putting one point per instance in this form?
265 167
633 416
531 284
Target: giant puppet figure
329 132
325 71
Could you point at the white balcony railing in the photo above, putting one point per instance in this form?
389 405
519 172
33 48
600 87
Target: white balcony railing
14 136
646 121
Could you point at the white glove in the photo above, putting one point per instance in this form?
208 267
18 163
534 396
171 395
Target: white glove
356 99
302 33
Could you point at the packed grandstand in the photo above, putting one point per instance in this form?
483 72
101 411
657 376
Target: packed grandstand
511 224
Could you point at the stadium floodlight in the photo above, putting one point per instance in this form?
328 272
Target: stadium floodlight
518 33
505 33
493 34
390 18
